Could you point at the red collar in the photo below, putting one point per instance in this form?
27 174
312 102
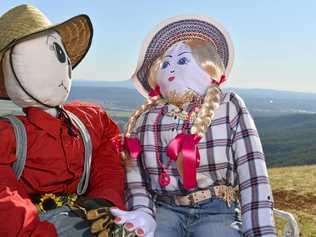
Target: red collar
43 120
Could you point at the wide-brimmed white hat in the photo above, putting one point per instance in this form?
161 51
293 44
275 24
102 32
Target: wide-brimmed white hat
179 28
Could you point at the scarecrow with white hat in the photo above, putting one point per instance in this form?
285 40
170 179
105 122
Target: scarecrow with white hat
57 162
194 157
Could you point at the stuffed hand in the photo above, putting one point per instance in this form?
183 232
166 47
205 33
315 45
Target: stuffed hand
97 211
102 221
138 221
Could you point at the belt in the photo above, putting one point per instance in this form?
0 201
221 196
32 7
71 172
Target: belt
227 193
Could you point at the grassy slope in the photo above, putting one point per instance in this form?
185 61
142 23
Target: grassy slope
294 191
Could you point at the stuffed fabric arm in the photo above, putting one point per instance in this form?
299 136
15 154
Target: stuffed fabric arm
255 190
107 173
137 195
18 215
139 218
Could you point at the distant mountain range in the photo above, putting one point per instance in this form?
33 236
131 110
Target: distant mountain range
261 102
91 83
263 93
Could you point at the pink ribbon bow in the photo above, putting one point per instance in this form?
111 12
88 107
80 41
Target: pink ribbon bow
187 145
131 144
154 92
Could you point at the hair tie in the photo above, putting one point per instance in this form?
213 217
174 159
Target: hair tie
154 92
218 83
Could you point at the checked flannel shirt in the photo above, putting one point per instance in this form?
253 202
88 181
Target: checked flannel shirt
231 154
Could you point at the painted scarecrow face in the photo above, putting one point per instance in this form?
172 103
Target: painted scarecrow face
37 71
179 72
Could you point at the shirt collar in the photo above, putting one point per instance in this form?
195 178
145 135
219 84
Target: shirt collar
43 120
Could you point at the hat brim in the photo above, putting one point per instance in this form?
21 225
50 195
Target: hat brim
76 34
179 28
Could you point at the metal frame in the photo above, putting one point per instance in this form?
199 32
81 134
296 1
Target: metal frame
291 227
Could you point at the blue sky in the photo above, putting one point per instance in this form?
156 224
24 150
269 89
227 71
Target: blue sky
275 40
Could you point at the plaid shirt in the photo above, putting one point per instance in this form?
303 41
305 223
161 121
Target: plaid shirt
231 154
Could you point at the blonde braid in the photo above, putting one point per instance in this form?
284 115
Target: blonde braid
206 112
141 109
149 103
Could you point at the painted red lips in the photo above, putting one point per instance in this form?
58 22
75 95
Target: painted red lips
171 78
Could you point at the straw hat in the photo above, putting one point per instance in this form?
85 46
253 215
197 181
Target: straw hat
23 21
179 28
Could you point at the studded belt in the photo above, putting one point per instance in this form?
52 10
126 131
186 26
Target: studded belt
227 193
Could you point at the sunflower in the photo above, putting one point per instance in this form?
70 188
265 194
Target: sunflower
49 201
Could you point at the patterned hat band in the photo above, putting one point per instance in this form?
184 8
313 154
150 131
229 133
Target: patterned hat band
177 29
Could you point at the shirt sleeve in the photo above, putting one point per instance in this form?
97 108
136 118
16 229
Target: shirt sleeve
18 215
255 190
137 196
107 173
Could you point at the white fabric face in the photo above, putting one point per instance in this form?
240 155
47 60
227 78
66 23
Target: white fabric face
42 66
180 72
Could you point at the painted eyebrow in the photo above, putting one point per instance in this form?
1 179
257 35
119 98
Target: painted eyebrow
184 53
168 56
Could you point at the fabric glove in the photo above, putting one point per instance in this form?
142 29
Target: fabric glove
137 221
97 211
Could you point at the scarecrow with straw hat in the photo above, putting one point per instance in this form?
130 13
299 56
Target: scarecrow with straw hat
195 165
57 162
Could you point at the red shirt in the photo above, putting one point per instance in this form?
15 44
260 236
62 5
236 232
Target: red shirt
54 164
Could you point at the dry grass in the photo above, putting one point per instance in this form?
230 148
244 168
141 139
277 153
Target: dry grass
294 190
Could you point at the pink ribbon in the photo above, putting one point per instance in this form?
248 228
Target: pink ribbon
131 144
187 144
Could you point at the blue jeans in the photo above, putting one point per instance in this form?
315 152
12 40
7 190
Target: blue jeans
67 223
209 218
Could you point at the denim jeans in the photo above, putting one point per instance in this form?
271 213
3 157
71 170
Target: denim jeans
67 223
209 218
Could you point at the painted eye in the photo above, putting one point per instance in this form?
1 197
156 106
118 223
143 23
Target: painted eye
183 61
60 54
165 64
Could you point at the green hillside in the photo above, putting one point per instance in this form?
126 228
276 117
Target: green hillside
288 140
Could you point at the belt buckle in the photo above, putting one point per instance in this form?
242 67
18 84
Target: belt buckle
226 193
